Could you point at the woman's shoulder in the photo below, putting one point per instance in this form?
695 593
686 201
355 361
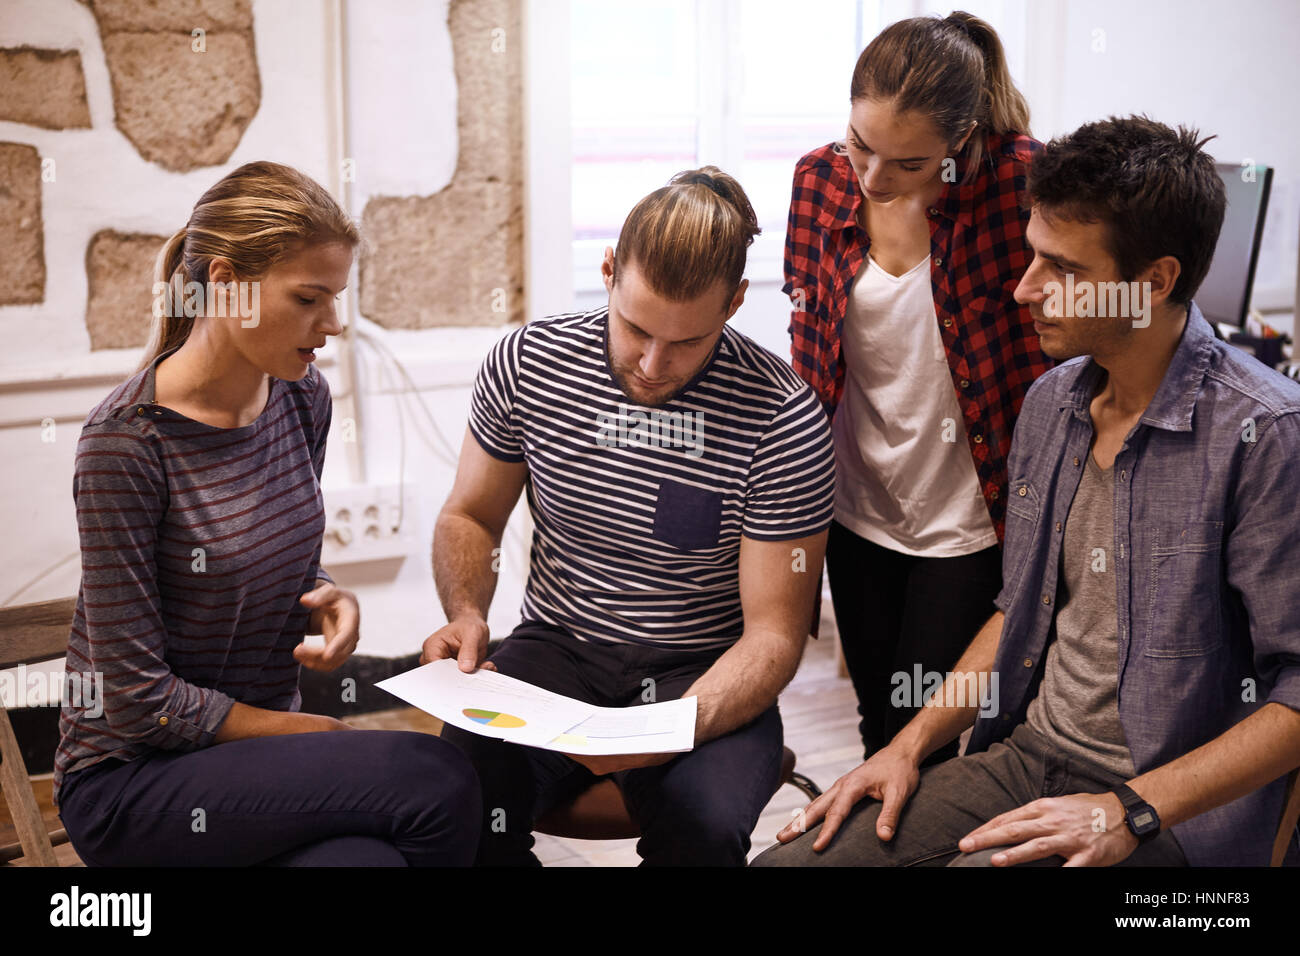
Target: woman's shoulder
121 430
822 192
826 165
1012 149
1001 182
123 401
118 450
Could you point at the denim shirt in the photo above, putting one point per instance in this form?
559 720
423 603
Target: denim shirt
1206 560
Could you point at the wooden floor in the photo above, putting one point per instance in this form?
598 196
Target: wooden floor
820 716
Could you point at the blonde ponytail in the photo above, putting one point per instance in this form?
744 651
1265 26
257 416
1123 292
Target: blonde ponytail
171 326
254 217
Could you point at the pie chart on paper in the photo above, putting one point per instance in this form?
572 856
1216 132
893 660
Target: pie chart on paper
492 718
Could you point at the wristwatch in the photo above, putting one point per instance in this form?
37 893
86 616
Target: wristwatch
1142 819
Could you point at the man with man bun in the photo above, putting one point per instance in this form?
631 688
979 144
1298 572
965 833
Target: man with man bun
680 480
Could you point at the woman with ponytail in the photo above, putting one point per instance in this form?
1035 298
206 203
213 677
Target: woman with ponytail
197 486
905 244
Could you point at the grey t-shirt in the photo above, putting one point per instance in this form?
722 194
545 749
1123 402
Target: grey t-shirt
1076 707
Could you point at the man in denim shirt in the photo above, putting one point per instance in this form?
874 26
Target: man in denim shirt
1147 651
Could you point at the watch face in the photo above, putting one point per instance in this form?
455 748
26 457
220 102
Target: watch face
1144 821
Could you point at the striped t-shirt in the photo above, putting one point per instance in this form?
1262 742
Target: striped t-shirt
196 543
639 511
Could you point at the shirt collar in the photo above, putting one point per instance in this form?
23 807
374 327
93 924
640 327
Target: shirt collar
137 391
1174 401
839 209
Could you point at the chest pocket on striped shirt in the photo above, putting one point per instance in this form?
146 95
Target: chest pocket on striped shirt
686 517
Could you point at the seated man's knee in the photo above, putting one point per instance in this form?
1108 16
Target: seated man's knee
854 844
691 833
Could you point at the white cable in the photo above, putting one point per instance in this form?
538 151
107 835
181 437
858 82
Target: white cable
446 452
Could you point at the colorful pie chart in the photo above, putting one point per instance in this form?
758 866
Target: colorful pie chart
492 718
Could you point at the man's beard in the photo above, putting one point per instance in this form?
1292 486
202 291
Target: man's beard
1073 337
625 379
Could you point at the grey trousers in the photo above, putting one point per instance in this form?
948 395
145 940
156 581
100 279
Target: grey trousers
957 796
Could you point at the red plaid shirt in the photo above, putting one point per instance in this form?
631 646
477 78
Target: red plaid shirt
978 254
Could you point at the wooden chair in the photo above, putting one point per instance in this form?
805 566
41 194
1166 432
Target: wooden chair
1290 818
29 634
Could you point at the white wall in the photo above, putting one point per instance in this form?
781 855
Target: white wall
396 120
103 183
1229 69
1226 68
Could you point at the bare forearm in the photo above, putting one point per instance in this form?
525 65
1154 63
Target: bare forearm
1254 752
244 721
743 682
935 726
463 565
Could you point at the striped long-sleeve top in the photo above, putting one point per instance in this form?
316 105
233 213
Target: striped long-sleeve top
196 543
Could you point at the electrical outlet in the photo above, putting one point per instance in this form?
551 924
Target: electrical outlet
366 523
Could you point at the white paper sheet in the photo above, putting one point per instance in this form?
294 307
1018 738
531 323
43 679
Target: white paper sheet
495 705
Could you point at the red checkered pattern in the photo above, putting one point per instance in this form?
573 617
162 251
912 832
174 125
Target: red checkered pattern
978 254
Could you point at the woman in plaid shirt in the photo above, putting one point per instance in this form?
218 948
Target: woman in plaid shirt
905 325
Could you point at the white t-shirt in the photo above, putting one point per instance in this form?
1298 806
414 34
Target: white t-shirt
905 478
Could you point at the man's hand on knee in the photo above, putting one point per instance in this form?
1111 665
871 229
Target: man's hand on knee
888 776
1086 828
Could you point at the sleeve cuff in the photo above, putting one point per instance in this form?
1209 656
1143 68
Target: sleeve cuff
198 732
1286 690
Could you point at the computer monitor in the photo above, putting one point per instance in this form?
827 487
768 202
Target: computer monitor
1224 296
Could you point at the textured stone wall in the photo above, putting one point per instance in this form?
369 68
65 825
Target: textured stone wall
456 257
43 88
185 85
22 236
184 74
119 304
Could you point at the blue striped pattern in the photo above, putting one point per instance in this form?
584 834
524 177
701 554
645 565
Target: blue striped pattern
639 542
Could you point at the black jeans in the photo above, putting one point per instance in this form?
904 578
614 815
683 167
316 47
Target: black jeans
897 611
698 809
345 798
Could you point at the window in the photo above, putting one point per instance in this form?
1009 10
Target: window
659 86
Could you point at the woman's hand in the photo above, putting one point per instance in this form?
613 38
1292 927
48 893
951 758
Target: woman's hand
335 614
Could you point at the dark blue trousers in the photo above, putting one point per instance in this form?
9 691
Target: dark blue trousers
341 798
698 809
